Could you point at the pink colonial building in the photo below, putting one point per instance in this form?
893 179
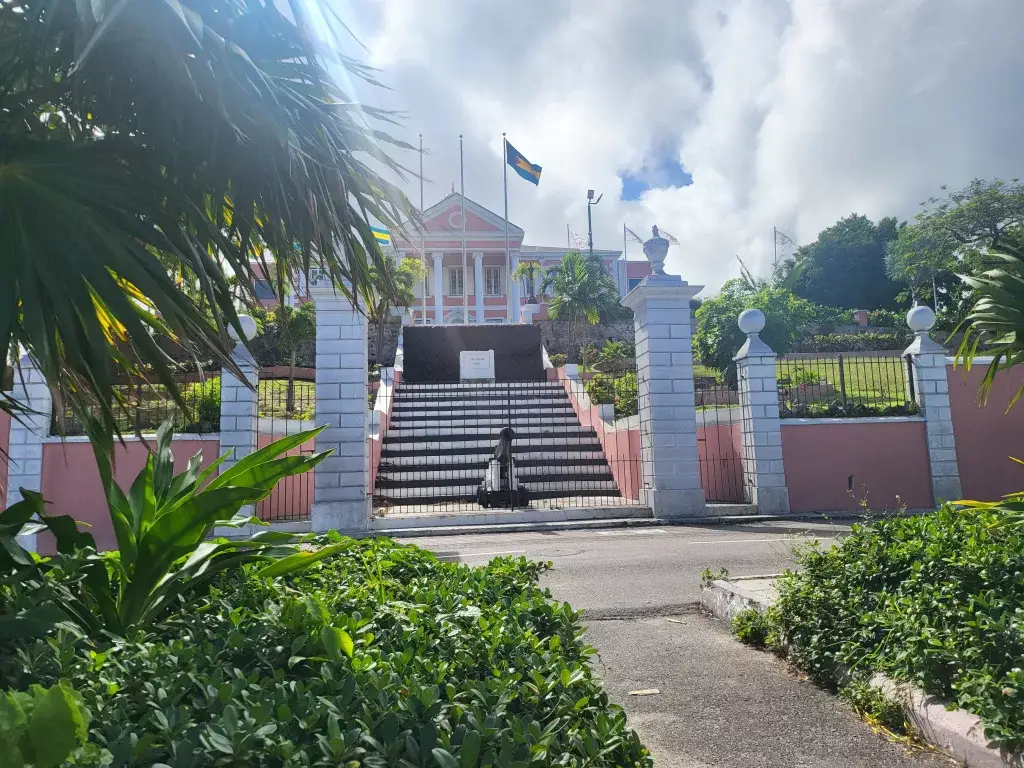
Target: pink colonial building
481 285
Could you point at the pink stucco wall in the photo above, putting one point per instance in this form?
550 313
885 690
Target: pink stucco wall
886 459
986 435
376 444
621 446
292 497
720 452
71 482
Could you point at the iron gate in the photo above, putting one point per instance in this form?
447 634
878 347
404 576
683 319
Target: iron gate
720 441
443 440
286 406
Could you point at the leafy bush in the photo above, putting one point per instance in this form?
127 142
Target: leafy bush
621 391
558 359
163 527
203 399
855 342
836 409
380 656
615 356
751 627
875 707
935 600
887 318
43 727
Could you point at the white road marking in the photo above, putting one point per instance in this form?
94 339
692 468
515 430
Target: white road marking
749 541
637 532
482 554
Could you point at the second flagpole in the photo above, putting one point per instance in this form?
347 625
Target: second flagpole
465 271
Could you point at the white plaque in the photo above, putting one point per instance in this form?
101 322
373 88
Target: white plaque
476 364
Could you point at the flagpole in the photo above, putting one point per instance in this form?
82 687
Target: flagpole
623 282
567 243
423 245
508 261
465 279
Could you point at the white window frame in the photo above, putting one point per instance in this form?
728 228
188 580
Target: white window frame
452 272
487 281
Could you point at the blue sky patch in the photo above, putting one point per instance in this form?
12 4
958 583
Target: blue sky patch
668 172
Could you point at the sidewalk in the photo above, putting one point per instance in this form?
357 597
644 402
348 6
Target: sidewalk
725 705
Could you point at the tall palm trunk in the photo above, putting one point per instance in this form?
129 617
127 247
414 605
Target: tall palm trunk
289 402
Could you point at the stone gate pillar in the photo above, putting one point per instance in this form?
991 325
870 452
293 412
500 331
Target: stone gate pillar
341 499
668 417
25 454
763 471
931 390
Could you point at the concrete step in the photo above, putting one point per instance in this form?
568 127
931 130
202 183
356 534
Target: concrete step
537 490
481 422
420 445
468 411
457 400
530 432
479 385
390 478
475 457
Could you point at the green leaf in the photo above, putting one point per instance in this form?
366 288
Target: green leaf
337 642
300 560
444 758
470 749
58 725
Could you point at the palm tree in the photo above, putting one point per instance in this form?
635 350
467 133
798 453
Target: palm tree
997 317
533 273
143 141
294 327
581 291
391 287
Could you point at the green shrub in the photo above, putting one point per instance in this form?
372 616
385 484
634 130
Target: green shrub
887 318
935 600
875 707
855 342
751 627
836 409
43 727
558 360
447 666
621 391
203 400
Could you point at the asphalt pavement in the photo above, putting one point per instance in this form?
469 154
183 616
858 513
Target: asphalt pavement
719 703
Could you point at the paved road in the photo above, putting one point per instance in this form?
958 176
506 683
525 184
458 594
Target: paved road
720 704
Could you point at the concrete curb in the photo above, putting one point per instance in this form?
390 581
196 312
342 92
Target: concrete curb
954 731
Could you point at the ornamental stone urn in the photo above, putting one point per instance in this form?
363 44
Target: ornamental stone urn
655 250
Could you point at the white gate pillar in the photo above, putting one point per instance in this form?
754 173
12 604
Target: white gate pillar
668 416
25 454
239 402
763 470
931 390
341 499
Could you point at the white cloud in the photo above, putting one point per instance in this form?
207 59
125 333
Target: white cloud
785 113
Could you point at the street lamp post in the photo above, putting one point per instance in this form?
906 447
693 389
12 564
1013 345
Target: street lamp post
591 202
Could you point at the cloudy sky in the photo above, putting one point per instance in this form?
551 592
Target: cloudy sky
789 113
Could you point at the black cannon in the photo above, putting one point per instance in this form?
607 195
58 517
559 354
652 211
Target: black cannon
499 486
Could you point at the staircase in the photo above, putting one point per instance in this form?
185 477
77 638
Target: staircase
442 435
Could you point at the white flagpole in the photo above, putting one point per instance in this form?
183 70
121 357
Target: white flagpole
508 260
423 251
465 277
568 243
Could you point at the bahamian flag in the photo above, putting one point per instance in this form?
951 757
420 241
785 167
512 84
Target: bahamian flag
381 235
521 165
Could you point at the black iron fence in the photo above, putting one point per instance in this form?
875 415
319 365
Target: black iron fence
286 406
846 384
143 407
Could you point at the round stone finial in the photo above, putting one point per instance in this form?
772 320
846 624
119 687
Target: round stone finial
248 327
751 321
921 319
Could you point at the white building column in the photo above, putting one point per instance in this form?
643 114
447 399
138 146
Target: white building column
668 417
438 287
478 284
513 291
763 471
931 391
239 399
341 499
25 455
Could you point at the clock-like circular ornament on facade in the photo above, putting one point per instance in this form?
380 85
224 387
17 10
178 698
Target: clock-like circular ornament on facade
455 219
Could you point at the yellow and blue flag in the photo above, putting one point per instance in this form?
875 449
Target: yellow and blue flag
381 235
521 165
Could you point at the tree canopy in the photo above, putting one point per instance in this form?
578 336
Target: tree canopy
718 338
581 290
845 266
148 139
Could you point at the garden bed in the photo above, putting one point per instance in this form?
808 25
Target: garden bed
449 666
936 601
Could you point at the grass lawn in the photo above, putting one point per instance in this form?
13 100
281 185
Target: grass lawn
273 397
872 381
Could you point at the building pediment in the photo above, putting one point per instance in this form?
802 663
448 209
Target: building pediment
444 219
